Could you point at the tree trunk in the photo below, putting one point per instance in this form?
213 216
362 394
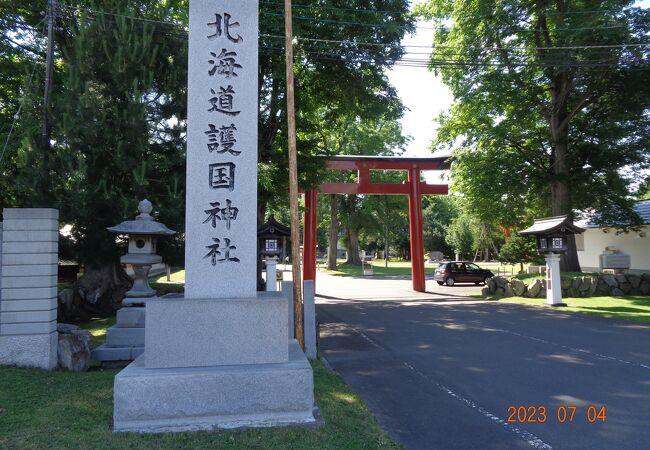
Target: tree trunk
353 247
99 291
386 246
334 233
561 191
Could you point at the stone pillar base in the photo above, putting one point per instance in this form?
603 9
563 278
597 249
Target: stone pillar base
30 350
208 398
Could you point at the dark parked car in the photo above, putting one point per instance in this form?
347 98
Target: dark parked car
453 272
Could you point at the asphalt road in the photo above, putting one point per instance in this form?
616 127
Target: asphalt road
439 371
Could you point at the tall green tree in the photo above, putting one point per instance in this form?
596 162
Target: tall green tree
460 236
437 215
551 104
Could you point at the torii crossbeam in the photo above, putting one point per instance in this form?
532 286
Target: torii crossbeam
414 187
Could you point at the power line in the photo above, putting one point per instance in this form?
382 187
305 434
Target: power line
438 28
433 47
344 22
494 14
182 34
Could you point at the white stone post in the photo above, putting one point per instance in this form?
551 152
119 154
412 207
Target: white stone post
30 241
287 293
553 283
271 274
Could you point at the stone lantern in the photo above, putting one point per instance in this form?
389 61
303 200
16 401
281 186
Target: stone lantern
552 235
142 233
125 340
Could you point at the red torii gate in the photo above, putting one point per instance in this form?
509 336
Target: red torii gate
413 187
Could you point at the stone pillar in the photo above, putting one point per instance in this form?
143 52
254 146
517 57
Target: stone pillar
287 293
553 283
221 202
271 274
309 308
221 356
30 241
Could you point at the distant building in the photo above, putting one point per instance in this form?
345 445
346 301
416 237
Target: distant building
274 239
597 241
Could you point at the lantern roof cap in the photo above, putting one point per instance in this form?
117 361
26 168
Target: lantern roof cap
550 225
143 223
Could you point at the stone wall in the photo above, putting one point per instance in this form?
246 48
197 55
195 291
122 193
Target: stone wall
587 286
28 282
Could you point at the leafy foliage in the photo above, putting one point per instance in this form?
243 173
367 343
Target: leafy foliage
551 111
518 250
460 236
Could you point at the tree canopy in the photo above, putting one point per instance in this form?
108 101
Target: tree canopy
551 111
118 107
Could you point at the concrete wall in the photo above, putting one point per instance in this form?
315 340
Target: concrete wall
28 290
595 242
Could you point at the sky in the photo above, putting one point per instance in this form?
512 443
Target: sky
422 93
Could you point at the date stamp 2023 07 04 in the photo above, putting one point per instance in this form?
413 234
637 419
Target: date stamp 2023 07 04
563 414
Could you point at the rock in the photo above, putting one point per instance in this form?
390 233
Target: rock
500 292
626 288
533 288
621 278
491 285
610 281
74 347
67 328
65 300
593 285
644 288
508 292
573 292
616 292
585 284
602 289
565 282
645 277
518 287
485 291
500 282
576 282
634 280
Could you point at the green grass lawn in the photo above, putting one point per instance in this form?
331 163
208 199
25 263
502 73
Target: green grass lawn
636 309
63 410
395 268
175 284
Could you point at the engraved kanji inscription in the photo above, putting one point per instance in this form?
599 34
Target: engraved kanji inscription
223 137
224 64
223 101
222 25
222 176
217 213
221 254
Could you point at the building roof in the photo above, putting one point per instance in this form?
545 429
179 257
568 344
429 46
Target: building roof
551 225
274 228
642 208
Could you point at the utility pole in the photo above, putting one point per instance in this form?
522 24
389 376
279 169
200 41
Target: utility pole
46 147
293 180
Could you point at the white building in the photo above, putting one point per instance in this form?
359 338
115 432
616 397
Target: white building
596 241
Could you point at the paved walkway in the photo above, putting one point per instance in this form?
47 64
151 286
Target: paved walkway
439 371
